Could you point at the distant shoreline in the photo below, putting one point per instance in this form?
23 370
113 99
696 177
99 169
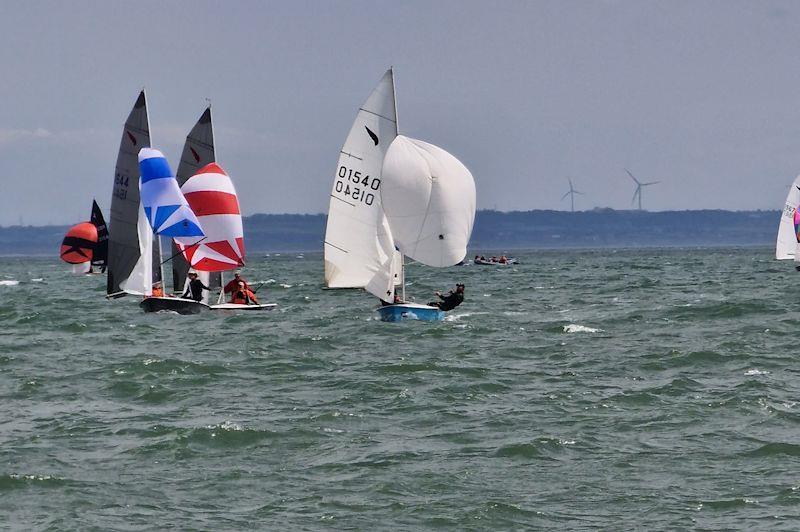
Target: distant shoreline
493 230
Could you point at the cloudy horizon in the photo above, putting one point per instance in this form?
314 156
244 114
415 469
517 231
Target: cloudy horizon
698 95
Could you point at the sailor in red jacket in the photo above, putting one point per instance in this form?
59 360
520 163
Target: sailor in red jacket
243 296
234 284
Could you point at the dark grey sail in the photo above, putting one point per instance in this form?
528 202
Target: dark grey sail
100 257
123 241
198 151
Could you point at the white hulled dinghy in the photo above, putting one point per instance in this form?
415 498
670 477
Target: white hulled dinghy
212 197
788 243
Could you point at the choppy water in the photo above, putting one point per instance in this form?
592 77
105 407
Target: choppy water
580 390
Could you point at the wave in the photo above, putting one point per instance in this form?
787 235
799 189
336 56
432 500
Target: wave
9 283
775 449
576 328
17 481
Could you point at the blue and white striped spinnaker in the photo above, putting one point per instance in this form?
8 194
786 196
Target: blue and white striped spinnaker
166 209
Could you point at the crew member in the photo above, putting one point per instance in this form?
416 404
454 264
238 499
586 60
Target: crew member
453 299
243 295
158 289
233 285
195 288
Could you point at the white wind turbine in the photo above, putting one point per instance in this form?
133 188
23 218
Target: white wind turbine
571 193
639 185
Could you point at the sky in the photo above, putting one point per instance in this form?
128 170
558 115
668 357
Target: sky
701 95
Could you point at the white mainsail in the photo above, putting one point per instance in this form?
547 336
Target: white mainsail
140 280
123 243
353 250
428 197
787 245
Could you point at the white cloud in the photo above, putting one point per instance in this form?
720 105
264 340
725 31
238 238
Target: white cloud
8 136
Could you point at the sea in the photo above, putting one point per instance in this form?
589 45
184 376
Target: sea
651 389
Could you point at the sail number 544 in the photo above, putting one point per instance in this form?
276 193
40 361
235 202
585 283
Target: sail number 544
348 179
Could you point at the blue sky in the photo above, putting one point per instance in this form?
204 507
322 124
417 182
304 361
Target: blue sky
702 95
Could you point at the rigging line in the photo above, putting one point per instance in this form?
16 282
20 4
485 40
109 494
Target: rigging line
179 252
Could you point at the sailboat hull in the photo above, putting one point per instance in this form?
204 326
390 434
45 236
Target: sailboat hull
241 308
410 311
173 304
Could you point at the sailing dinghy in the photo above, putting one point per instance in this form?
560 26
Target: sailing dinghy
163 211
212 198
788 242
428 197
86 244
394 196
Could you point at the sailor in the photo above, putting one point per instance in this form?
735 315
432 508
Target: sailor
195 288
243 295
233 285
453 299
396 300
158 289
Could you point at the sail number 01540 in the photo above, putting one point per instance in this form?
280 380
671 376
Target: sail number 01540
347 181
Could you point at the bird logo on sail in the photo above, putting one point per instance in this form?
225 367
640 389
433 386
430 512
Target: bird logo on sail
372 135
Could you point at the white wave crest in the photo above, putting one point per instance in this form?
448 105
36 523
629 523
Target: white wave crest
9 283
575 328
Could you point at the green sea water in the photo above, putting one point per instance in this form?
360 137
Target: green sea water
580 390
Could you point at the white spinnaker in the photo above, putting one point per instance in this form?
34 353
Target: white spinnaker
352 252
786 246
429 199
140 280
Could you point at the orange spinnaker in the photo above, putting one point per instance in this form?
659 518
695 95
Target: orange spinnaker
79 242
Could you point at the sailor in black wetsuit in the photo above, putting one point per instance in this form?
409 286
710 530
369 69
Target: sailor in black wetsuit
451 300
195 288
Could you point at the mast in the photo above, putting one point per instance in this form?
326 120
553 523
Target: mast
157 252
402 256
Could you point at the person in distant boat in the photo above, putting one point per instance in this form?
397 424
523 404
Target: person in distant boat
195 288
233 285
453 299
158 289
503 259
243 295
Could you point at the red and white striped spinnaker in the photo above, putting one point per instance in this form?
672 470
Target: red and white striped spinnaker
213 199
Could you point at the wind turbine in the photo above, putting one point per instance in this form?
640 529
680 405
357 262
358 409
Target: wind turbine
571 192
639 185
